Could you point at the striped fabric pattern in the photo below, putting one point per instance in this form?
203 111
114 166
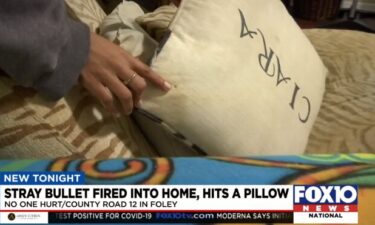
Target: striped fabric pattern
75 127
346 122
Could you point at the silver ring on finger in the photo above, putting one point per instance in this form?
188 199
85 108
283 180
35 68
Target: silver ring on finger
128 81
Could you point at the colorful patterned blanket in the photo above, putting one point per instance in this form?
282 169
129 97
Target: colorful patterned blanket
315 169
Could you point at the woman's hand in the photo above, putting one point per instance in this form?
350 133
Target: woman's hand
112 73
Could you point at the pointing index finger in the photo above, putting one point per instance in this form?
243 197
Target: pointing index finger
150 75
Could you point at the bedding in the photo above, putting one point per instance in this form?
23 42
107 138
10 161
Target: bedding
243 84
76 126
121 28
346 121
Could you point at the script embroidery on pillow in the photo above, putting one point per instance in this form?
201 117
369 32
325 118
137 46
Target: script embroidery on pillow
270 64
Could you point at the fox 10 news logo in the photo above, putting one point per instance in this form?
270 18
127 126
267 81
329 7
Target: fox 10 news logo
326 204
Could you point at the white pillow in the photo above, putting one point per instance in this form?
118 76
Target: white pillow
246 79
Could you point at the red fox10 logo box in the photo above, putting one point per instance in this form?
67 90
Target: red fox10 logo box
325 204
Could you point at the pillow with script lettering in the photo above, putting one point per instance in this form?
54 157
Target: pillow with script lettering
246 79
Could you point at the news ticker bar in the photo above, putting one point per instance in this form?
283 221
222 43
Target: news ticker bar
173 217
149 217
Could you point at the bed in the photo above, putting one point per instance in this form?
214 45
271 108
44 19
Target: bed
77 127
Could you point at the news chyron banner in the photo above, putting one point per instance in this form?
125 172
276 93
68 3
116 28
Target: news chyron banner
63 197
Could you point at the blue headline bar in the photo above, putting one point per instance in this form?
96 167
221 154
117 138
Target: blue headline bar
41 178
